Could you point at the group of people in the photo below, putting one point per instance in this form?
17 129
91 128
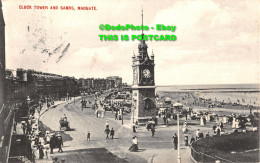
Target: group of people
108 131
43 145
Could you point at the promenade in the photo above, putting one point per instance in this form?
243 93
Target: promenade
156 149
76 148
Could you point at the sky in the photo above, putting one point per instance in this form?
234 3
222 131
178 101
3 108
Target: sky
217 40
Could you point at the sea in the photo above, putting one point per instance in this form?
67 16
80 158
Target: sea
211 87
245 93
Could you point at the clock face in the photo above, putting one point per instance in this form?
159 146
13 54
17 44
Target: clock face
146 73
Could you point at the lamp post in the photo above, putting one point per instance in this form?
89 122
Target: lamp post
122 112
178 106
133 111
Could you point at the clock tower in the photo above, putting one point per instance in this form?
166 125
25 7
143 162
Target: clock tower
143 87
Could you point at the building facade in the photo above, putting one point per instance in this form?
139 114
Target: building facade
117 80
2 55
91 85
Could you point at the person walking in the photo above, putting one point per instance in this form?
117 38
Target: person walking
47 137
112 133
192 140
107 124
134 146
96 112
237 124
41 153
24 127
46 148
134 128
197 134
221 125
204 120
153 131
218 129
107 131
164 119
88 136
59 142
201 121
29 128
116 115
35 152
175 141
52 142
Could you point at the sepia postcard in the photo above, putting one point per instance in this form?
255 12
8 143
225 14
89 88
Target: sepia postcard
135 81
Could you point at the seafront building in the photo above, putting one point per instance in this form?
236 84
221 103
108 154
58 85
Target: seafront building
2 54
117 81
6 112
40 85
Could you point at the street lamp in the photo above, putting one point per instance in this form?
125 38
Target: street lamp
122 112
133 112
178 107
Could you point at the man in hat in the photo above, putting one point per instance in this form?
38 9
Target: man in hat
52 142
47 137
107 131
107 124
175 141
197 134
134 128
41 153
116 114
24 127
153 131
112 133
59 142
29 128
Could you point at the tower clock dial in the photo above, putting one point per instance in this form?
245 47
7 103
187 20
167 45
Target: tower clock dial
146 73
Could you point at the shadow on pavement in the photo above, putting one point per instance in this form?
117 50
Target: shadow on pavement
141 150
92 155
71 129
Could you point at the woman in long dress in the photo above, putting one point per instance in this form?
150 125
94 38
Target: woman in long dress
201 121
134 146
237 124
224 119
234 123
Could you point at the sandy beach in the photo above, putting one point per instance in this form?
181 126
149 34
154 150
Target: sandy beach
232 102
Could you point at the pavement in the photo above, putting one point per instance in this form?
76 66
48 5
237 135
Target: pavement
151 149
155 149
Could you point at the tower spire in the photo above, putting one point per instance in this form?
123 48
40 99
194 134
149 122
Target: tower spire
142 21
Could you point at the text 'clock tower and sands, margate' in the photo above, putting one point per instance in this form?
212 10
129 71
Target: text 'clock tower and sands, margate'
143 87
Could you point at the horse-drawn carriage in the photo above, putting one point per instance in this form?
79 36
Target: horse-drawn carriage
64 124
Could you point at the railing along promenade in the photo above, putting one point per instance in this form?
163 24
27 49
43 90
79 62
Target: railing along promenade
197 156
